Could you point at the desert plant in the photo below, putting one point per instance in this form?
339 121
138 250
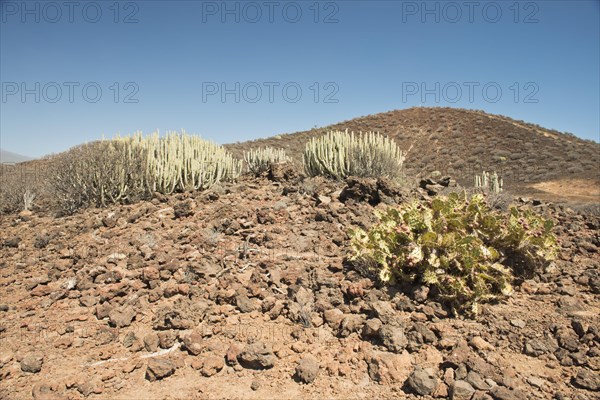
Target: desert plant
179 162
492 183
468 253
98 174
124 170
18 188
338 155
28 197
260 160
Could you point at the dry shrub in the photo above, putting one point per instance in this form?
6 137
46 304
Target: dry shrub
20 185
98 174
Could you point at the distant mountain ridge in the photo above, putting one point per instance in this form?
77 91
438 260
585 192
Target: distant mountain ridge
10 157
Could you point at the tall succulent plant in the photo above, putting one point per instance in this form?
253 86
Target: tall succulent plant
178 162
260 160
487 182
338 155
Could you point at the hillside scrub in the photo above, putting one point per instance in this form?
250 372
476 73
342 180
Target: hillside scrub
457 246
18 188
99 174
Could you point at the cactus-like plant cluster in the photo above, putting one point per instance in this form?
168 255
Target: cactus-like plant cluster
177 162
338 155
459 247
126 169
28 198
489 183
260 160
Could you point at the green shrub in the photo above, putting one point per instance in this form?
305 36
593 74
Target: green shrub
338 155
459 247
260 160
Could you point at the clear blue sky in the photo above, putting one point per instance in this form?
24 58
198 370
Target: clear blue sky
175 58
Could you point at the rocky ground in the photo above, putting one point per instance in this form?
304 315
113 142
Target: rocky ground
242 292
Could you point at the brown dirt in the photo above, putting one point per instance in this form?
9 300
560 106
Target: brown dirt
576 190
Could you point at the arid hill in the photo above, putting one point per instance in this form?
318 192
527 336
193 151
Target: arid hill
461 143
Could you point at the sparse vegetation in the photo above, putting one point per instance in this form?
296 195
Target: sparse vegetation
28 197
338 155
464 131
18 188
492 187
489 183
99 174
124 170
468 253
260 160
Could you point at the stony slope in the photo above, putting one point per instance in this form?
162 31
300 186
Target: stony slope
242 292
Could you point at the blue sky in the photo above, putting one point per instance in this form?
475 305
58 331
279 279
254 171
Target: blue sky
234 71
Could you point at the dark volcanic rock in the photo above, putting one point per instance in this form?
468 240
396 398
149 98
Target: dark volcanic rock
371 328
351 323
371 190
110 220
587 379
283 172
32 363
423 381
504 393
244 304
393 338
12 242
461 390
170 319
537 347
183 209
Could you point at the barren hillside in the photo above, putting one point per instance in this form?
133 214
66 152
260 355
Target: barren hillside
463 142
